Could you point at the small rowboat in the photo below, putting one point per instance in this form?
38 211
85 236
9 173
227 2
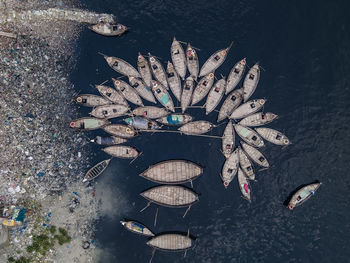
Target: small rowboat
112 95
243 185
162 95
192 61
109 111
214 61
122 66
229 170
97 170
144 69
174 81
203 87
178 58
251 81
141 88
90 100
228 140
215 95
247 109
303 194
196 127
120 130
108 140
137 228
255 155
141 123
249 135
175 119
158 70
88 123
245 164
107 29
235 75
258 119
171 242
128 92
273 136
186 96
150 112
230 104
121 151
173 172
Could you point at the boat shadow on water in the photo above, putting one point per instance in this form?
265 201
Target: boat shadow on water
287 200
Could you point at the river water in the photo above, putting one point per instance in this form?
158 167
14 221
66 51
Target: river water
303 47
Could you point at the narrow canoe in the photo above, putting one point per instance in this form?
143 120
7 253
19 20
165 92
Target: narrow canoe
109 111
141 123
173 172
273 136
228 140
158 71
88 123
215 95
162 95
251 81
112 95
96 170
196 127
122 66
235 75
121 151
137 228
171 242
174 81
127 91
175 119
109 30
229 170
203 87
141 88
255 155
243 185
186 96
178 58
120 130
144 69
192 61
230 104
247 109
214 61
90 100
150 112
258 119
108 140
249 135
171 196
303 194
245 164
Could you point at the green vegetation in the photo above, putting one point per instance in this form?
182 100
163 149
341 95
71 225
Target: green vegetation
20 260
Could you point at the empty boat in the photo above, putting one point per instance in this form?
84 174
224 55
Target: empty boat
112 95
247 109
251 81
215 95
127 91
178 58
151 112
228 140
229 170
258 119
186 96
235 75
273 136
96 170
203 87
214 61
245 164
90 100
196 127
174 81
122 66
171 242
121 151
255 155
144 69
230 104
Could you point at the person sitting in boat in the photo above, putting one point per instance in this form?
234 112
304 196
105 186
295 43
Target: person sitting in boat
298 198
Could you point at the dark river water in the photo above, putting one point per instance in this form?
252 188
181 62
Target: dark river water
303 47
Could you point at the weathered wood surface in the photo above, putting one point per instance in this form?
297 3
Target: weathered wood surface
303 194
109 111
244 185
249 135
247 108
192 61
196 127
107 29
214 61
108 140
137 228
122 66
258 119
215 95
273 136
255 155
186 96
251 81
246 164
142 123
127 91
141 88
178 58
235 75
228 140
174 81
203 87
158 71
90 100
229 170
112 95
97 170
175 119
230 104
88 123
171 242
151 112
144 69
121 151
120 130
162 95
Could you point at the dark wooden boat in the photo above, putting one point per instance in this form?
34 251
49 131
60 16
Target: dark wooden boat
90 100
97 170
122 66
108 140
120 130
112 95
127 91
151 112
109 111
121 151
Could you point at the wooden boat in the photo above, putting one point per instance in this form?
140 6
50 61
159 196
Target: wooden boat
171 242
150 112
108 140
273 136
249 135
303 194
255 155
173 172
251 81
112 95
109 111
230 104
245 164
144 69
247 109
229 170
107 29
175 119
215 95
120 130
90 100
171 196
158 70
192 61
141 88
258 119
97 170
243 185
178 58
141 123
228 140
137 228
88 123
127 91
203 87
214 61
121 151
235 75
162 95
196 127
186 96
122 66
174 81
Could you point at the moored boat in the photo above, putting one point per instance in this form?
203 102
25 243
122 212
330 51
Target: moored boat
120 130
203 87
90 100
97 170
171 242
273 136
303 194
122 66
215 95
175 119
231 102
235 75
192 61
158 70
243 185
196 127
151 112
255 155
137 228
109 111
141 88
141 123
144 69
162 95
228 140
186 96
178 58
108 140
127 91
245 164
229 170
112 95
249 135
121 151
258 119
88 123
174 81
251 81
107 29
247 109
